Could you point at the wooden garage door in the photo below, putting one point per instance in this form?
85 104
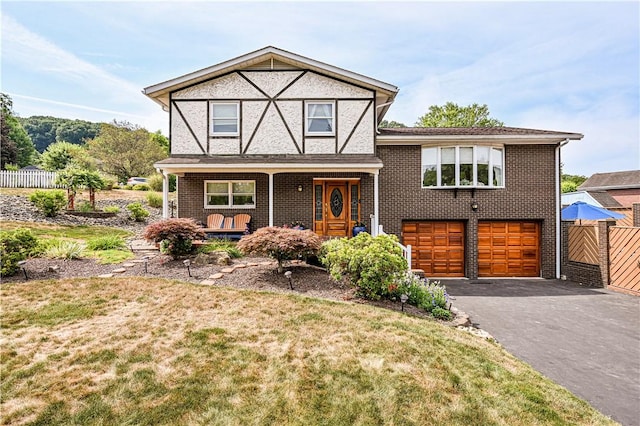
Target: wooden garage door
508 249
436 247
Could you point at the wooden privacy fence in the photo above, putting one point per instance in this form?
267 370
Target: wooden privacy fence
28 179
624 258
583 244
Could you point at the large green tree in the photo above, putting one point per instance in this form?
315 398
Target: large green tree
45 130
570 183
453 115
60 155
124 150
19 147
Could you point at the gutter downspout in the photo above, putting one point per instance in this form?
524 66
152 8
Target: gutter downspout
558 206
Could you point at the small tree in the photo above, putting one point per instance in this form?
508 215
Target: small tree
73 179
453 115
175 235
281 244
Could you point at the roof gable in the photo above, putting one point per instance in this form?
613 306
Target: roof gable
271 58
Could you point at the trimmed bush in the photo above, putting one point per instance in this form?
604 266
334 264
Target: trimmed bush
281 244
138 213
155 182
85 207
154 200
111 209
174 235
141 187
49 202
16 246
372 265
108 242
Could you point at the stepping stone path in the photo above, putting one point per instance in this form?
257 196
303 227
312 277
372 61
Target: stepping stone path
119 270
218 275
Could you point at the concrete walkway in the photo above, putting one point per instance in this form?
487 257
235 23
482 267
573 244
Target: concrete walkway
587 340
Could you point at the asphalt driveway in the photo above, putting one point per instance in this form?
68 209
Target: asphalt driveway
585 339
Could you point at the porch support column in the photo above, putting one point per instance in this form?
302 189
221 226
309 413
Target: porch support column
165 194
376 205
270 199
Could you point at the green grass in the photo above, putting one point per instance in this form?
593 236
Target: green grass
80 232
148 351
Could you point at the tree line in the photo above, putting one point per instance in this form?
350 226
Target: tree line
118 149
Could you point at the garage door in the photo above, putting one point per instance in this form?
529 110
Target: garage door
508 249
436 247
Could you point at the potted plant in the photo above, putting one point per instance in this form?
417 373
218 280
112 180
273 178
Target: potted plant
359 227
297 224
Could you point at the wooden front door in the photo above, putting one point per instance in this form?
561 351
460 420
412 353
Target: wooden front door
336 207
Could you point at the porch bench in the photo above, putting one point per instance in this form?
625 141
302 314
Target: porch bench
219 226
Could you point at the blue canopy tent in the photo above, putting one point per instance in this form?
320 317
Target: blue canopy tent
581 210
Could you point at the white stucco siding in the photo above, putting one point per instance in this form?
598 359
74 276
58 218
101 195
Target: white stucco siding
350 112
182 139
313 85
231 86
251 113
362 140
224 146
272 136
272 82
320 146
292 113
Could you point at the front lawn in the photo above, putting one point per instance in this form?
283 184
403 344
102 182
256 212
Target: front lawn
151 351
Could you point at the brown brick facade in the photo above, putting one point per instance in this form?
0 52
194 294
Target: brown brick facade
529 195
289 203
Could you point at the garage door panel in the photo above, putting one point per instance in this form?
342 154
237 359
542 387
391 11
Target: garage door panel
508 249
438 247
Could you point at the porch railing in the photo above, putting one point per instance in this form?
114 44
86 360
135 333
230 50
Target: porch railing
406 250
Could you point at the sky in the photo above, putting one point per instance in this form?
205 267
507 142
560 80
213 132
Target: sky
565 66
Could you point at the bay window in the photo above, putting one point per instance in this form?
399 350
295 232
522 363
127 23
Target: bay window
463 166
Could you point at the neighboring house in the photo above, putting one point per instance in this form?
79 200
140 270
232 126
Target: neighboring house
624 187
286 138
595 198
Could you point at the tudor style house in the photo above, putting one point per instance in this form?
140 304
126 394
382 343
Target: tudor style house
285 138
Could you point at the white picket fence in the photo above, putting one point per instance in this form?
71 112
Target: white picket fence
28 179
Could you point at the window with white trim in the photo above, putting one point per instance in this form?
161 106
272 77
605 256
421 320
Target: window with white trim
225 118
222 194
463 166
319 118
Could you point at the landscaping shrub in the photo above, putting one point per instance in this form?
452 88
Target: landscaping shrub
230 247
155 182
138 213
141 187
174 235
441 313
422 293
281 244
154 200
111 209
49 202
371 264
16 246
85 207
107 242
64 249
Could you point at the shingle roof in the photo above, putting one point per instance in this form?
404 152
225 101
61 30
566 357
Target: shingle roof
604 199
613 180
465 131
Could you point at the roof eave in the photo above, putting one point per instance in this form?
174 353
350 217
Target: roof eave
156 91
504 139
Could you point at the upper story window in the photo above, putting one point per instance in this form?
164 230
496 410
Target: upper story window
320 118
225 118
230 194
463 166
